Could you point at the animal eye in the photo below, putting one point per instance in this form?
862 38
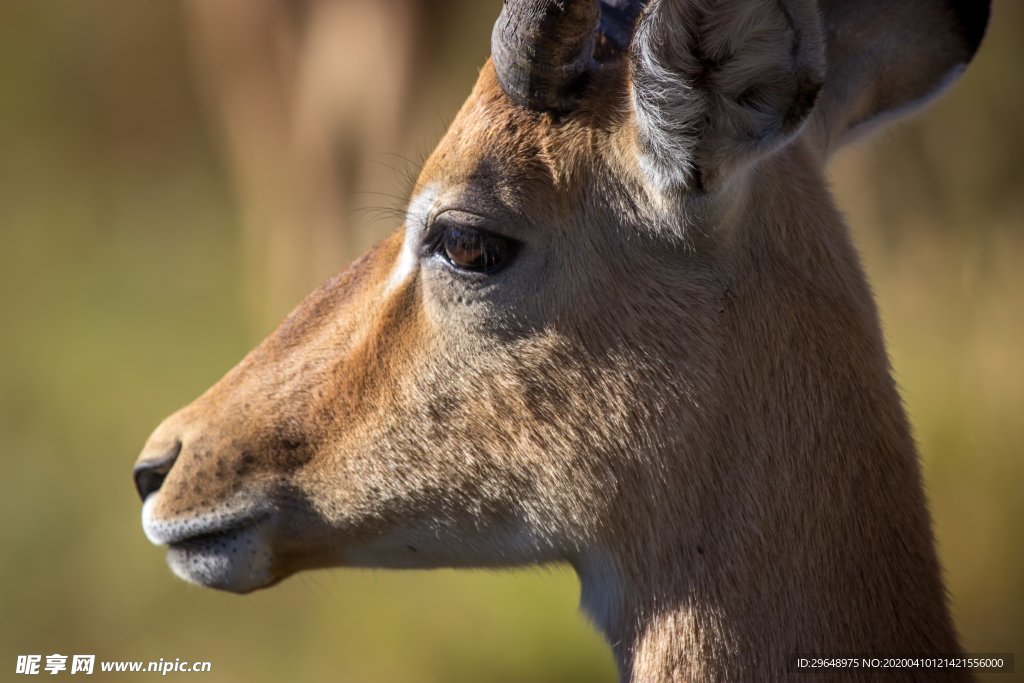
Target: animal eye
474 250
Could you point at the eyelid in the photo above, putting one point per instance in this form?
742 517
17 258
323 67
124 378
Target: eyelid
449 218
466 218
460 218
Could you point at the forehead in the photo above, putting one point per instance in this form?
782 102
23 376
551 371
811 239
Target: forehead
506 152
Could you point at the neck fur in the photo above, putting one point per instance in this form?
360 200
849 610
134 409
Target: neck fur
793 520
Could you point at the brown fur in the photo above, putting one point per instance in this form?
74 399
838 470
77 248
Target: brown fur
682 393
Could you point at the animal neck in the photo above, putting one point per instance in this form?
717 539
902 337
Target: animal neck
735 596
824 560
793 520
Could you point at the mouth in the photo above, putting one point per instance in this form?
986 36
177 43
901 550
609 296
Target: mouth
227 550
208 525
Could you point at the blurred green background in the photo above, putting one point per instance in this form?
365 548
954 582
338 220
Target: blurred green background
147 242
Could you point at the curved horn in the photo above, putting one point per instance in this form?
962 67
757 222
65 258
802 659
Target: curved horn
543 50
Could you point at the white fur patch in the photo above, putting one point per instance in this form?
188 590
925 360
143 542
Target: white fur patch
165 532
664 107
416 218
149 523
706 84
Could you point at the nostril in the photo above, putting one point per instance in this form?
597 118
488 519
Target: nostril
149 475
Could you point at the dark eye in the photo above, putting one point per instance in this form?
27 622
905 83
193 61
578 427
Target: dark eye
474 250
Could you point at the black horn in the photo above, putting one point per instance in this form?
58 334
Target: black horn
544 49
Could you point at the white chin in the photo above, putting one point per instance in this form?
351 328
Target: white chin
236 561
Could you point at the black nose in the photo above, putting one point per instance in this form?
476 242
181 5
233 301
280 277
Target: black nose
150 474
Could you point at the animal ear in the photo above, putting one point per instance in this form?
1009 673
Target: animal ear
718 84
887 58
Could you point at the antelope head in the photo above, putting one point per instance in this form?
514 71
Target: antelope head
622 327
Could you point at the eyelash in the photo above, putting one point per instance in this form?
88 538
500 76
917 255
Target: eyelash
471 250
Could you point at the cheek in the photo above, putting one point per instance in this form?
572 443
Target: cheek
484 434
522 296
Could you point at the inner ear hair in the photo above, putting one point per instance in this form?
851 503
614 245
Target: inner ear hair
718 84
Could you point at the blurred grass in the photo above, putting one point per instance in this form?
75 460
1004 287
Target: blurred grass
120 300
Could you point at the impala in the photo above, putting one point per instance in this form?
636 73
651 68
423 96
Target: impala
623 327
